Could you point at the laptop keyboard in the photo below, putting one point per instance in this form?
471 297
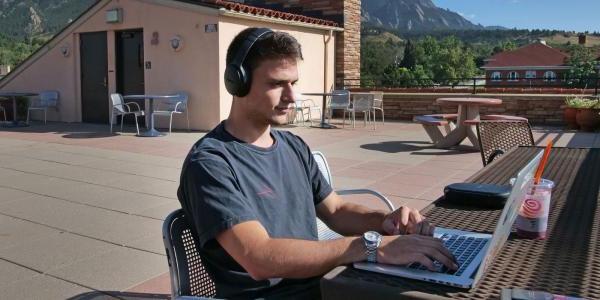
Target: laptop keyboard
464 249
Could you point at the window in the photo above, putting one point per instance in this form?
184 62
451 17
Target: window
549 76
513 76
496 76
530 74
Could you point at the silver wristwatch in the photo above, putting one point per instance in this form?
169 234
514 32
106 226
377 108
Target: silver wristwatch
372 239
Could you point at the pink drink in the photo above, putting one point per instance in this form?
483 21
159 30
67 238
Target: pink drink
532 220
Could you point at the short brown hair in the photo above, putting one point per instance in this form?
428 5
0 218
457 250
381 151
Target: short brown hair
270 46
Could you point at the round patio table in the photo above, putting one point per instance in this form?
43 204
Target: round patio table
13 95
151 132
324 124
468 109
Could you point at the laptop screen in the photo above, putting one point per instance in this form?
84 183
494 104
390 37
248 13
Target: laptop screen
509 213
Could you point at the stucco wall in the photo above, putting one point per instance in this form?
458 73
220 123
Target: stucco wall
539 109
197 68
311 70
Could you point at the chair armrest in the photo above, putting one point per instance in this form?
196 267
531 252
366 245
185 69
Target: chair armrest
377 194
177 105
134 103
494 154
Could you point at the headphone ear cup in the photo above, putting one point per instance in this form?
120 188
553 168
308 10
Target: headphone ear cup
245 82
233 79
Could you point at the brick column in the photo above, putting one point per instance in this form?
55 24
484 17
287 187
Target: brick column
347 61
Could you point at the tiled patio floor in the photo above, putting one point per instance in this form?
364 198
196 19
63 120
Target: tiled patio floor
81 209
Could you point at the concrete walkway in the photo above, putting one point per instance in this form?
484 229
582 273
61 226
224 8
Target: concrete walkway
81 209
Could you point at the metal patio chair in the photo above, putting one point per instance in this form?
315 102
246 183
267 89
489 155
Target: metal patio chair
189 278
340 100
499 136
119 108
45 100
175 106
304 107
378 106
362 103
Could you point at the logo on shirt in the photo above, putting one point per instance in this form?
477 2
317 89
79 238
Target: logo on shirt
265 191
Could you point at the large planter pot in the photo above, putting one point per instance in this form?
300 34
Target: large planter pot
570 117
588 119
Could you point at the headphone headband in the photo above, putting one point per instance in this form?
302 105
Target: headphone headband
252 38
237 78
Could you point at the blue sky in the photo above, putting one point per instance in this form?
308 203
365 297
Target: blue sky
570 15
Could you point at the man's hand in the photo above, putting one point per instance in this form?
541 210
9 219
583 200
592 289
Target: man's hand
406 249
405 220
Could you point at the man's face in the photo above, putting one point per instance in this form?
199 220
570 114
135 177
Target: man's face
271 94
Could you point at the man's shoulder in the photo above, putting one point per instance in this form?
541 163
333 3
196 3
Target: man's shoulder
288 137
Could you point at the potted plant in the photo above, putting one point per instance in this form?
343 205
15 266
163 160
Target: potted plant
570 112
588 115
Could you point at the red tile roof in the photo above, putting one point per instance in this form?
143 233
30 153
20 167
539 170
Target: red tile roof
263 12
536 54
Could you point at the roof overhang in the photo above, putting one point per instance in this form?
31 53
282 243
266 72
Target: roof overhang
240 15
527 68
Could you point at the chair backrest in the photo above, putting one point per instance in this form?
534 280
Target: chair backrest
188 275
323 166
377 99
117 103
171 103
49 98
502 135
340 99
362 101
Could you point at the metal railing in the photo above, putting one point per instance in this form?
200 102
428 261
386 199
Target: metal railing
475 84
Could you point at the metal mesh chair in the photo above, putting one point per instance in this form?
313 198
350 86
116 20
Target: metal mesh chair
189 278
46 99
169 107
119 108
378 106
362 103
498 136
339 100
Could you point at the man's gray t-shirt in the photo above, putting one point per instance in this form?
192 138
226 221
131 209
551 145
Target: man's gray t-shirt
225 181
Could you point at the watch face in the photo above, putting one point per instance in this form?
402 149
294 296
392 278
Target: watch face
371 236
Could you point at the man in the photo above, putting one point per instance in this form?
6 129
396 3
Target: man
252 193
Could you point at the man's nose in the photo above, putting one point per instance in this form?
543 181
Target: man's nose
288 94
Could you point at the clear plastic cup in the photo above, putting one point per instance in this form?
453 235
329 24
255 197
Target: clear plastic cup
532 220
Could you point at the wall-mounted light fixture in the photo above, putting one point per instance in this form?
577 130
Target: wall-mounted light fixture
114 15
65 50
176 43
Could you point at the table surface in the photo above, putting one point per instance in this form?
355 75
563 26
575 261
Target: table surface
567 263
149 96
469 100
323 94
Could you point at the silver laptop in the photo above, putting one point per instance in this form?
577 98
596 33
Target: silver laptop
473 251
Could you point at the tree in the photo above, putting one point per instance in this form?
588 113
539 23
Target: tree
409 60
394 76
583 66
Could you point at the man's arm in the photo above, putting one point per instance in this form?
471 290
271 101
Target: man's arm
264 257
348 218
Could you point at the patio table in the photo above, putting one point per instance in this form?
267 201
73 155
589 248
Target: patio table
566 263
324 124
13 95
151 132
468 109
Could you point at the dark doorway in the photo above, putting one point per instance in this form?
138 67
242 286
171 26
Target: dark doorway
130 62
94 80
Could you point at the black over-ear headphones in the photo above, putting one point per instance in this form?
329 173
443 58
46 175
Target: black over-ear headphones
237 78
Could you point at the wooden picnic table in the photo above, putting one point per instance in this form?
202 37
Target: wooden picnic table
468 109
566 263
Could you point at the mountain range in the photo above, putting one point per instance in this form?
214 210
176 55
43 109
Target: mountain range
25 18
